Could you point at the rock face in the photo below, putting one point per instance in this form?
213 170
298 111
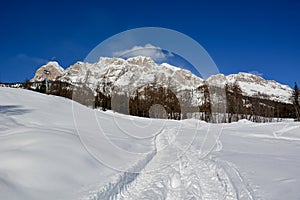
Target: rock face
132 73
53 67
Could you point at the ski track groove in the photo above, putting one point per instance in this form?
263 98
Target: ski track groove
112 190
189 177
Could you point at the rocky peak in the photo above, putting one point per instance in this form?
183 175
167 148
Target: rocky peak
53 67
141 60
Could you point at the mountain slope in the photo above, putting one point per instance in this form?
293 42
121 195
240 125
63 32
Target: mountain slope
255 86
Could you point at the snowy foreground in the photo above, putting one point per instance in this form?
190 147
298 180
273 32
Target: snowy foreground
53 148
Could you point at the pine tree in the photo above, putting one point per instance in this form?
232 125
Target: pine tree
27 84
296 100
206 105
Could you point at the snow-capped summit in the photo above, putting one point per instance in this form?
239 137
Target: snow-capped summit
53 67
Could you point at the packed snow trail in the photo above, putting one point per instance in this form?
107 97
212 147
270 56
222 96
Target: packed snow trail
187 177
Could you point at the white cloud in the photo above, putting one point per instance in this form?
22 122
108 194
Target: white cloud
256 73
149 50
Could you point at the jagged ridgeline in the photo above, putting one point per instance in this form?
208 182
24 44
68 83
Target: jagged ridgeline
139 86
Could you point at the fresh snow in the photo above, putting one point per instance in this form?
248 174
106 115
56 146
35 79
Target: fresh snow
50 145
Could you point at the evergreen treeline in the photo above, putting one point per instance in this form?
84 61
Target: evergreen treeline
146 99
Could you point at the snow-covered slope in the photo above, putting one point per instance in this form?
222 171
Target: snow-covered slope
139 71
46 143
41 154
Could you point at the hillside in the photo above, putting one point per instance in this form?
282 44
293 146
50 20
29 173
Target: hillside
54 148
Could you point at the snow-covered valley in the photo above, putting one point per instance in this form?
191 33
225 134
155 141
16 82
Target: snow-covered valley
54 148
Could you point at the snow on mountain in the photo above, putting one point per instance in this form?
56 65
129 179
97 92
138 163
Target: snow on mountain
255 86
43 155
53 67
139 71
133 72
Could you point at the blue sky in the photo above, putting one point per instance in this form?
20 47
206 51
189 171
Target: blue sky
248 36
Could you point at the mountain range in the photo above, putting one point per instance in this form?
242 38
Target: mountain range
130 74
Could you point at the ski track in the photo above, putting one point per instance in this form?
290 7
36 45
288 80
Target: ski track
188 177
